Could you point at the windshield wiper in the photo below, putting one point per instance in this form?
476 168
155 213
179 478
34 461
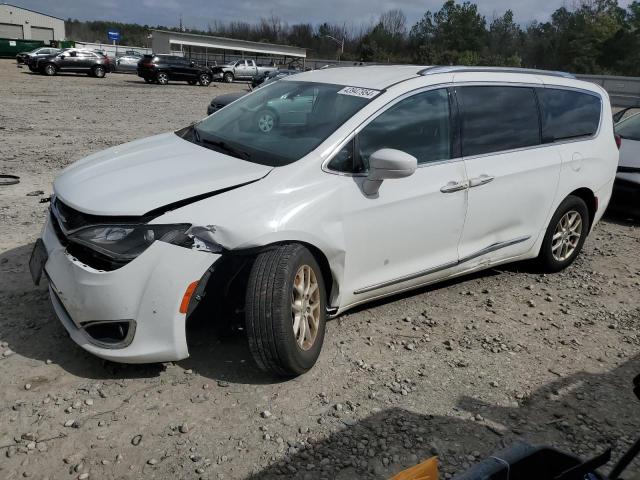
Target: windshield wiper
225 147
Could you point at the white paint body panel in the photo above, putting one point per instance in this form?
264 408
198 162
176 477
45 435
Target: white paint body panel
409 227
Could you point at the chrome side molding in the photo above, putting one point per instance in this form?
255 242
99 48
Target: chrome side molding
422 273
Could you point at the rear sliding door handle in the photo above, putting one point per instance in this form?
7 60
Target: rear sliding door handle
481 180
454 187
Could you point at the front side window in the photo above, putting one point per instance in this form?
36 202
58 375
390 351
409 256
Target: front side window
280 123
497 118
419 125
568 114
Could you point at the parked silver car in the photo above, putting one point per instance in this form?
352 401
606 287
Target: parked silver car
127 62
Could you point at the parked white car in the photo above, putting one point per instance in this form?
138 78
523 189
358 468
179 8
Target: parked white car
393 178
626 190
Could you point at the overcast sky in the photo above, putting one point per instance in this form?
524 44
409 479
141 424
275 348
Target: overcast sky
197 13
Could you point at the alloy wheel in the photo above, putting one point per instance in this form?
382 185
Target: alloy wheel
163 79
204 80
266 122
566 236
305 307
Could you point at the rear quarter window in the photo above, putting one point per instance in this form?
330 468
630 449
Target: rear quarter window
568 114
497 118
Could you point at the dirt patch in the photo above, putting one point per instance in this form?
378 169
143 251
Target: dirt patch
458 369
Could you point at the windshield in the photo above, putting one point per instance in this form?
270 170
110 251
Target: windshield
629 127
280 123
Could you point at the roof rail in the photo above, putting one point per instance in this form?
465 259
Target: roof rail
462 68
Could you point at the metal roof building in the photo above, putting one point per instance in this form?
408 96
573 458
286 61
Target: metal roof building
208 49
24 24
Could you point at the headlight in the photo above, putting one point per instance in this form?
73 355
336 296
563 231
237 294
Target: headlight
126 242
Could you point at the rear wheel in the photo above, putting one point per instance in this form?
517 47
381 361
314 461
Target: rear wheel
50 69
162 78
228 77
204 79
99 71
565 235
285 310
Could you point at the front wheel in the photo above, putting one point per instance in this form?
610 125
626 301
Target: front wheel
266 120
228 77
285 310
204 79
565 235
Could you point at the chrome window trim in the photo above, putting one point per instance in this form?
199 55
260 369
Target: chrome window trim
370 118
412 276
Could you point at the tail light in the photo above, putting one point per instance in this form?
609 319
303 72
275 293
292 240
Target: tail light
148 65
618 141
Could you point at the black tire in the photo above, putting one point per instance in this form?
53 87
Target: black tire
547 261
49 69
266 120
269 311
204 79
228 77
162 78
98 71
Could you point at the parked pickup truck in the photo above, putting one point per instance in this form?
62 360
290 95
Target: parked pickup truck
240 70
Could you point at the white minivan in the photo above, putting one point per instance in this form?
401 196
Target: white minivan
389 178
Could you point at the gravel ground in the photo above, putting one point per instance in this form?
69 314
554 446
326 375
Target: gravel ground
459 370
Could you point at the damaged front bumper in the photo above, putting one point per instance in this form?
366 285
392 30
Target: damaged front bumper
133 314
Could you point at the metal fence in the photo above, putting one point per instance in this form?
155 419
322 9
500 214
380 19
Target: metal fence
623 91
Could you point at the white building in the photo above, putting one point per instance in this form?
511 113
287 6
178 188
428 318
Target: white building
22 23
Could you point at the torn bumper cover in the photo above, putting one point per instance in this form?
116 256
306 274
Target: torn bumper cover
130 314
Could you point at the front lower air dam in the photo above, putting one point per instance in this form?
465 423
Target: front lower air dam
148 291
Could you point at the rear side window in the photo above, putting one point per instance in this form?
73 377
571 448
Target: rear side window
496 118
568 114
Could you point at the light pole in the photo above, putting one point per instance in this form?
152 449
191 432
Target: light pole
339 42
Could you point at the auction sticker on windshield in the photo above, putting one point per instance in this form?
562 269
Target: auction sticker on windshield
359 92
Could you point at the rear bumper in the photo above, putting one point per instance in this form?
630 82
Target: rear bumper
146 293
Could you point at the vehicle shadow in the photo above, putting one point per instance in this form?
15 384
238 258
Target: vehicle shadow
31 329
581 414
617 215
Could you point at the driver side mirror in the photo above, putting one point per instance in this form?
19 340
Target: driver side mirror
386 164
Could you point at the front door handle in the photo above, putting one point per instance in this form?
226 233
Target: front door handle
481 180
454 187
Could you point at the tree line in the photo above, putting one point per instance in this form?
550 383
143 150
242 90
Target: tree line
592 36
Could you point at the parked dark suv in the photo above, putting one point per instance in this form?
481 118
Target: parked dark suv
162 68
74 60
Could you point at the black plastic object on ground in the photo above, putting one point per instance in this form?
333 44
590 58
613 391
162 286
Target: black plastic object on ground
8 180
526 462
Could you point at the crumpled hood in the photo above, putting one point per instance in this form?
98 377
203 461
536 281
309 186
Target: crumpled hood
140 176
